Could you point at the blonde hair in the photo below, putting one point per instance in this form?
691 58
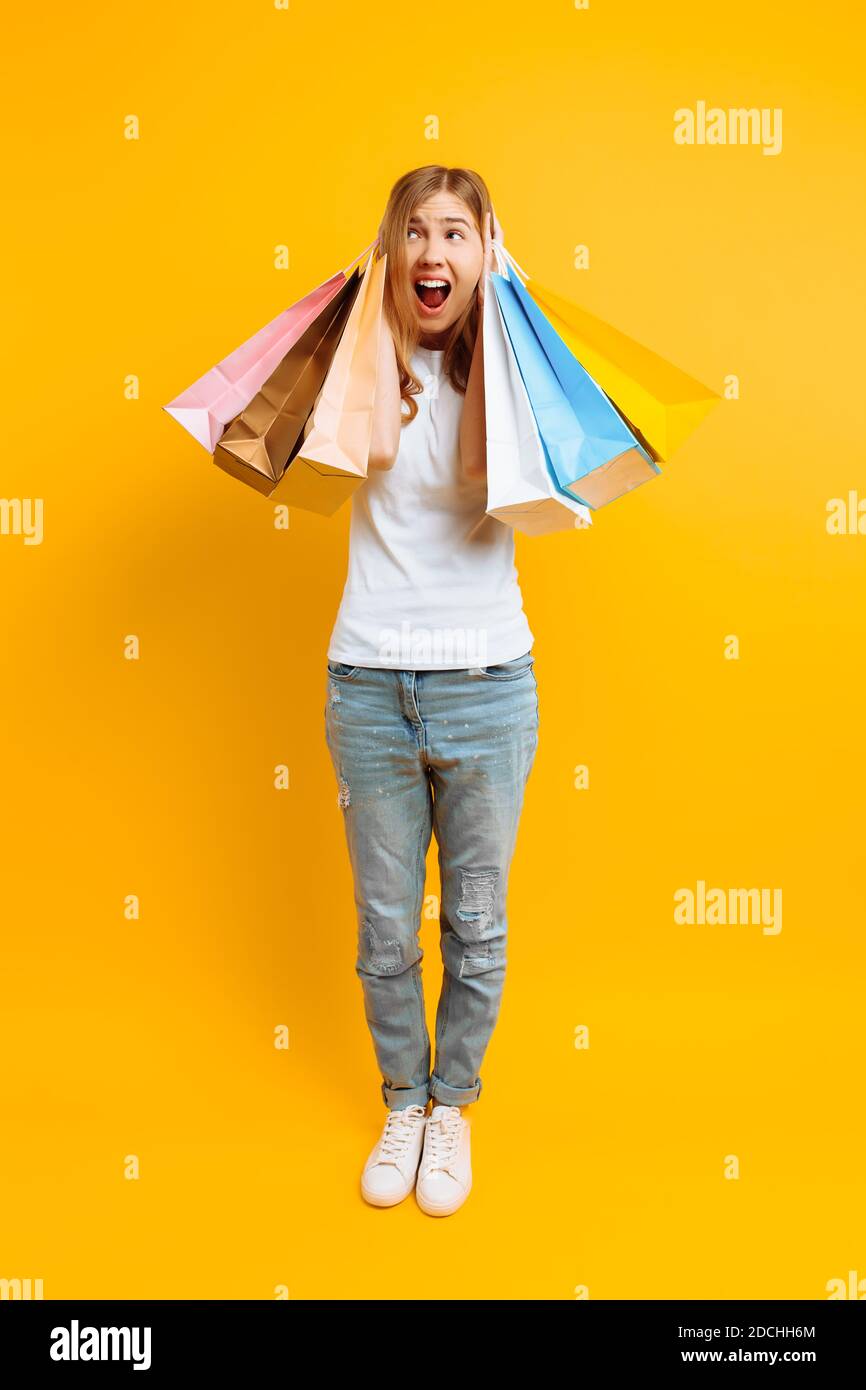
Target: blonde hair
410 190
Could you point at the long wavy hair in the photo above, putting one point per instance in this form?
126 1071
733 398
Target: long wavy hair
398 306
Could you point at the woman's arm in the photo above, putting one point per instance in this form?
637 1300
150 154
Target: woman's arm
473 424
385 439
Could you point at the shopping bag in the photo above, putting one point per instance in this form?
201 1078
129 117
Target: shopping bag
331 461
521 489
662 404
206 407
594 453
554 417
258 444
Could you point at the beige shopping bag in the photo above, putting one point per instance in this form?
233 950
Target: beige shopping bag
331 461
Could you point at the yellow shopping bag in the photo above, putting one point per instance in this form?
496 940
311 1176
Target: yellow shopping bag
662 404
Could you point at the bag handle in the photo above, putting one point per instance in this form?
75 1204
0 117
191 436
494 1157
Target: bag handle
499 257
347 269
501 252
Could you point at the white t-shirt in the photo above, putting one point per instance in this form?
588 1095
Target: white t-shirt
431 577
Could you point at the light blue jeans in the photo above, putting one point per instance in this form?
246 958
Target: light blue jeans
416 752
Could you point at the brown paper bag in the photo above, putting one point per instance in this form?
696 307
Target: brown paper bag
259 442
332 460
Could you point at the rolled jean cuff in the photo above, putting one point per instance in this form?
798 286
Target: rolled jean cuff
398 1097
453 1095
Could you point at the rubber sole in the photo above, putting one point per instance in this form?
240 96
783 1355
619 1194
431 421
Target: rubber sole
442 1211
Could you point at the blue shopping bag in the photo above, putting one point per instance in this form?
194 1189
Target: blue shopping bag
553 415
593 453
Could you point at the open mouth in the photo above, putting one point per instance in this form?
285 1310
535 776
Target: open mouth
432 292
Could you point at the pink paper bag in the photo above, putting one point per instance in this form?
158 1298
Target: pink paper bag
208 406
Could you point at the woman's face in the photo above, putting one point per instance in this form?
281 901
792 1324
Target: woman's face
442 244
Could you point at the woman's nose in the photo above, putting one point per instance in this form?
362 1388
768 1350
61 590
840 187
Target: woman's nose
433 255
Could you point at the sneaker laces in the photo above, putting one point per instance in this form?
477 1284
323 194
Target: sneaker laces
441 1141
401 1127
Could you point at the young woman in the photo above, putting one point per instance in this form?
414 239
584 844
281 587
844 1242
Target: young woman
431 715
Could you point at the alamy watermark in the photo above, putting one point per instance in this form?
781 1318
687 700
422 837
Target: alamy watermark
22 516
421 647
739 125
729 907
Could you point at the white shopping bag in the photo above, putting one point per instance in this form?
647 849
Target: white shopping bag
521 487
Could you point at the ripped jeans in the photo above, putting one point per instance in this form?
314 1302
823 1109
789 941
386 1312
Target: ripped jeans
417 752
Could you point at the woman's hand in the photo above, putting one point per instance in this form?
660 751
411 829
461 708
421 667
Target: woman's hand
387 405
489 262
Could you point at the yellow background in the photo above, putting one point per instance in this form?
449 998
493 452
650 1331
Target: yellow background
602 1168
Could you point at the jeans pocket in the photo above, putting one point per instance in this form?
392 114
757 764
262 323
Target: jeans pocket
507 670
340 671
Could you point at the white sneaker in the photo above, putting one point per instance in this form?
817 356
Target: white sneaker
389 1173
445 1175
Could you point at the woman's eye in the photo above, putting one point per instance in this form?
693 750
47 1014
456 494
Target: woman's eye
452 231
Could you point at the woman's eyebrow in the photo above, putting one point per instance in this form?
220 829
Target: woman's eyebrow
420 220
